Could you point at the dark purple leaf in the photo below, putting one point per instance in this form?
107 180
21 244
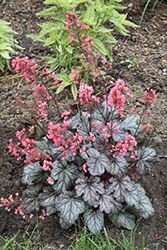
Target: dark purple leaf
73 107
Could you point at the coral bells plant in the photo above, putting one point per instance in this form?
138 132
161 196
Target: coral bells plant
84 164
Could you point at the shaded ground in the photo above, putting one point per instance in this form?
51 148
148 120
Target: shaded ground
151 53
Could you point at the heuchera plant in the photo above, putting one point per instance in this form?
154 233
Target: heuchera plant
87 164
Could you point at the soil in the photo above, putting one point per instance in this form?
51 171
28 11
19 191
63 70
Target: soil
151 53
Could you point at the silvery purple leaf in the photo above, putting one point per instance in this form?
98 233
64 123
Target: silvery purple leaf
113 113
118 167
85 147
101 115
145 208
38 175
90 188
124 219
74 121
64 174
120 188
30 197
96 162
56 153
146 159
106 202
102 145
26 173
131 122
122 132
133 197
51 210
34 174
70 207
84 126
117 207
63 224
48 197
94 220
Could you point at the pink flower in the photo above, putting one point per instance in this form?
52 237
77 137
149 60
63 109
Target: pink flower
85 168
50 181
47 165
149 96
92 137
130 95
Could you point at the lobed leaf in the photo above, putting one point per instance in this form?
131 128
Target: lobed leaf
97 162
118 167
122 132
70 207
48 197
133 197
131 122
33 174
120 188
106 202
94 220
90 188
64 174
124 219
30 197
146 159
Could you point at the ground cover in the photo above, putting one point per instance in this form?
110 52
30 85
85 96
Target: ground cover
150 71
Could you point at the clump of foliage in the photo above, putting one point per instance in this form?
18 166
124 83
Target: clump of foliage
7 44
94 14
87 164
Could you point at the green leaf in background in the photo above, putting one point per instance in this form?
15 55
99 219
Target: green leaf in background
154 141
74 91
47 12
7 44
89 16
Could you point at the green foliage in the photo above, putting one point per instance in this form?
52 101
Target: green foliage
133 63
28 242
88 241
7 44
93 13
